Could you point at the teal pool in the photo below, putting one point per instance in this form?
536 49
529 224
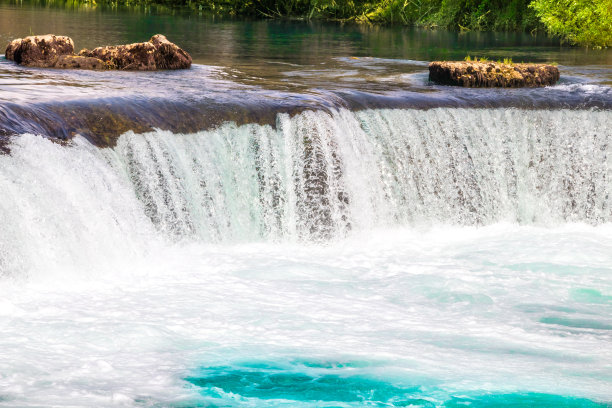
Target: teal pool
314 384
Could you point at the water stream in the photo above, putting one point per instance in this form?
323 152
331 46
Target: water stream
301 220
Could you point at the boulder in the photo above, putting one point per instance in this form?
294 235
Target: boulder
40 50
79 62
51 51
136 57
157 53
168 55
479 74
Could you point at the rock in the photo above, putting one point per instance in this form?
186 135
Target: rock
51 51
4 143
158 53
169 55
137 56
79 62
40 50
478 74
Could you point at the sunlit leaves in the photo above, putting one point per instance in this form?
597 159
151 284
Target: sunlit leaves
584 22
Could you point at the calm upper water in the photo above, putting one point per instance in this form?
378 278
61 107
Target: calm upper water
301 220
268 66
291 55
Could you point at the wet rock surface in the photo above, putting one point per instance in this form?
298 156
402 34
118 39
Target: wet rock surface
158 53
168 55
51 51
138 56
4 142
39 51
79 62
103 121
492 74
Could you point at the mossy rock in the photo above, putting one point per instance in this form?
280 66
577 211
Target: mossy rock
52 51
478 74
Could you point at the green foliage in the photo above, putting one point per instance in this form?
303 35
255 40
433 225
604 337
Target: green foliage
584 22
484 15
300 9
401 11
476 59
452 14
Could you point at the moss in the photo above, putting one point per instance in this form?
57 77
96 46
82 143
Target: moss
491 74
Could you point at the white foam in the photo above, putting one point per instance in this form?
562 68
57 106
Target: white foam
121 270
456 308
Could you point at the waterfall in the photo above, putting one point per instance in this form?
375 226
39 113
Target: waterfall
318 175
312 177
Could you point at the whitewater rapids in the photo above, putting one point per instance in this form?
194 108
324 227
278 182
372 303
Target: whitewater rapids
373 258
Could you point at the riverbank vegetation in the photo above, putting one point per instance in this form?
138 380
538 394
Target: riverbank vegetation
582 22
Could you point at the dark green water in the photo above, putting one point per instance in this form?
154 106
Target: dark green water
260 50
214 40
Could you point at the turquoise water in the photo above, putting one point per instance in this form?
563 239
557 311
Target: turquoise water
344 384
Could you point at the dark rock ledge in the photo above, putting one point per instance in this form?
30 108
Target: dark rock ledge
54 51
479 74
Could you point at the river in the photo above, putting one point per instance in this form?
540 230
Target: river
301 220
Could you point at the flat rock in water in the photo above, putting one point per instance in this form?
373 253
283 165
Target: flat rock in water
51 51
478 74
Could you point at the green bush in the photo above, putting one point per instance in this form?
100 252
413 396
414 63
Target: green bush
584 22
401 11
485 15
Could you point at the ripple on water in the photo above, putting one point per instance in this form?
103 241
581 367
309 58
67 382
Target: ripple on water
576 323
587 295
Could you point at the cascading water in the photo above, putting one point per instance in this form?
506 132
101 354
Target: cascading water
301 219
315 176
319 175
449 236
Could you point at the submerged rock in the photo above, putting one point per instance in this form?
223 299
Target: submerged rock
51 51
158 53
478 74
39 51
